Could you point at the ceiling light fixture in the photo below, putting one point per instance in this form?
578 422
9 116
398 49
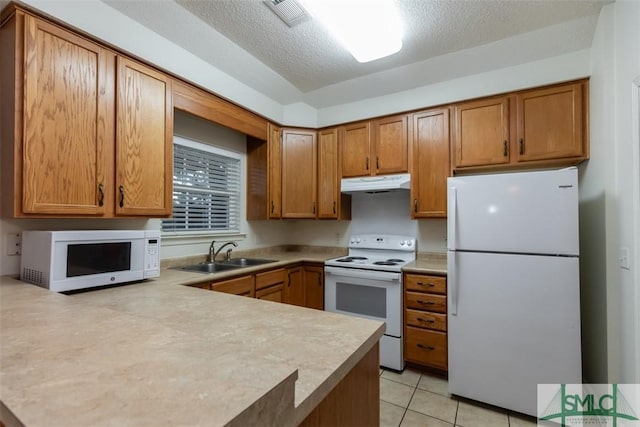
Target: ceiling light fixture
368 29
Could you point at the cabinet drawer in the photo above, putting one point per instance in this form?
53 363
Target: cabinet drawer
426 347
270 278
437 303
425 319
434 284
273 293
240 286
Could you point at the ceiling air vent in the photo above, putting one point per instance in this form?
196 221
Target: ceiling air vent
289 11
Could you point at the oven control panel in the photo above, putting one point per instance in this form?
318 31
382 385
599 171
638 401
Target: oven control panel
383 241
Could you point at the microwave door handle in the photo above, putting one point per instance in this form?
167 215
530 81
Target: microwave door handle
361 274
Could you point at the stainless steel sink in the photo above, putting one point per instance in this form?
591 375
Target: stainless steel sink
246 262
208 267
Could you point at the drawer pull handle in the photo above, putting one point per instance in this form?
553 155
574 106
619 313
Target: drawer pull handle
121 189
420 319
100 194
426 347
505 150
426 302
431 285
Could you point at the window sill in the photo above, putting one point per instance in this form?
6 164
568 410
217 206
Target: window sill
191 237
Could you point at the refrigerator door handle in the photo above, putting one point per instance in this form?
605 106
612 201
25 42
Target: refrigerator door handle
453 207
452 283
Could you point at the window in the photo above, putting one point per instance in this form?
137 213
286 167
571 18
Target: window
206 189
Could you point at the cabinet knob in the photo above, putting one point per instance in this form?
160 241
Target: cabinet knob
100 194
121 189
426 347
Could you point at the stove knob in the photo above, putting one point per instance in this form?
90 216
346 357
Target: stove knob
358 241
352 241
403 242
409 243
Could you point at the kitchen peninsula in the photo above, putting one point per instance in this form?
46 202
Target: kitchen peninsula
158 353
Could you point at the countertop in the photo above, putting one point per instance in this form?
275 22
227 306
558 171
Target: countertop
157 353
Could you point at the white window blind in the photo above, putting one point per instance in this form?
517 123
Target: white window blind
206 189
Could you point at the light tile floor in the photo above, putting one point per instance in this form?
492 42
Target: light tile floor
415 398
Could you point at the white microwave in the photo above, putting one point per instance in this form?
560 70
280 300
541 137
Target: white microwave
70 260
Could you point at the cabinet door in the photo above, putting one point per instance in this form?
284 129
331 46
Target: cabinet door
389 151
272 293
243 286
328 175
355 149
430 139
294 289
275 172
313 279
550 123
144 141
482 132
298 174
68 114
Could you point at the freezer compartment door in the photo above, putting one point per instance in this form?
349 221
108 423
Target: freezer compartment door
529 212
516 325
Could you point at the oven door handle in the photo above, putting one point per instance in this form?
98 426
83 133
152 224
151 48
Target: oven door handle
383 276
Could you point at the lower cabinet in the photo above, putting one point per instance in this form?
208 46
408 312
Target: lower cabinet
294 289
270 285
425 320
313 279
301 285
239 286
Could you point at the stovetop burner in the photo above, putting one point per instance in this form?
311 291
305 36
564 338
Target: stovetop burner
389 262
395 260
352 258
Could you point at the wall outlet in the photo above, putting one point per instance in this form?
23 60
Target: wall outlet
14 245
338 237
624 259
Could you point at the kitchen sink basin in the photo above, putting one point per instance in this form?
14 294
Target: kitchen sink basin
208 267
246 262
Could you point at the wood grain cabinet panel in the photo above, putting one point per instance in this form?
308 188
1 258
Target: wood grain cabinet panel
299 187
275 171
550 123
272 293
425 319
389 148
355 149
144 141
243 286
294 291
328 175
430 142
67 109
313 282
482 132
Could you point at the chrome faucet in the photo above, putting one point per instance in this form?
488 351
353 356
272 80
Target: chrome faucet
213 253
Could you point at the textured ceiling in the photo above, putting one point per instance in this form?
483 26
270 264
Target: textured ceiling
297 63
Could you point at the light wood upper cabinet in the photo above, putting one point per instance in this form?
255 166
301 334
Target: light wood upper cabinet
389 148
68 138
328 175
550 123
299 176
482 132
275 171
375 147
355 146
83 123
144 141
430 141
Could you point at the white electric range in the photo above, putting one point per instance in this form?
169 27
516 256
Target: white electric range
368 283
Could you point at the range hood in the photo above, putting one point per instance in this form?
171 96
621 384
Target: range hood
376 184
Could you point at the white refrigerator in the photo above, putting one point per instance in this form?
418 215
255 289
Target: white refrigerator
513 286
